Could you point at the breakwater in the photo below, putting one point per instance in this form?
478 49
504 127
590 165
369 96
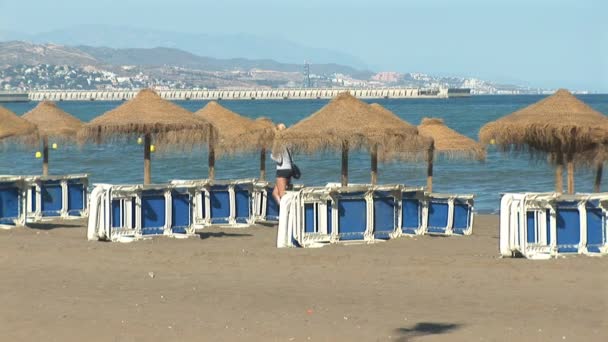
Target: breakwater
240 94
6 96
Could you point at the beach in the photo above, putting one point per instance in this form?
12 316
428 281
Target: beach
234 285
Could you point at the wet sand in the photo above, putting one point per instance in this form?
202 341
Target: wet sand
234 285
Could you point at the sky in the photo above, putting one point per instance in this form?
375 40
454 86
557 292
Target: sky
542 43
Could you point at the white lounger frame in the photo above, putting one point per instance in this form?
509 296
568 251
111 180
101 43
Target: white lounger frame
34 181
450 200
100 225
26 183
514 208
293 208
203 196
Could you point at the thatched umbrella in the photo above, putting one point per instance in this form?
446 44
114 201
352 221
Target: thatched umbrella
268 144
54 123
347 123
410 151
601 155
149 115
12 126
559 124
449 143
236 133
598 177
594 159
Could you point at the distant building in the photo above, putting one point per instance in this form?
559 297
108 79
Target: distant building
388 77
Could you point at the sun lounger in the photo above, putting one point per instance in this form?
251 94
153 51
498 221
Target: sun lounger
385 213
412 202
219 203
352 214
181 210
136 211
541 225
365 213
228 202
448 214
177 208
13 196
597 226
51 197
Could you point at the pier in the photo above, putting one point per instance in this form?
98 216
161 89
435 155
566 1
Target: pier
240 94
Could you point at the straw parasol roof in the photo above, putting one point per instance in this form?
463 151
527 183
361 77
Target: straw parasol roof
148 114
408 151
450 143
52 121
559 122
265 121
591 157
236 132
13 126
345 119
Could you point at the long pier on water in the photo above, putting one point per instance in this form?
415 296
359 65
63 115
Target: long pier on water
246 94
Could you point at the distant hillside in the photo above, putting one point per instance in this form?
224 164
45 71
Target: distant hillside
168 56
12 53
214 45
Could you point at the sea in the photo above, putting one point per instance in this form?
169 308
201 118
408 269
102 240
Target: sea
122 162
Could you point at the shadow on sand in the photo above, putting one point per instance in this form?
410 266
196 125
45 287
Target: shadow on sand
52 225
424 329
206 235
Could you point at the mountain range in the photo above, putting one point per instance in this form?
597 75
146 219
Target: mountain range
20 52
220 46
28 65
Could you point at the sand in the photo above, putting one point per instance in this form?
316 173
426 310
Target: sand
233 285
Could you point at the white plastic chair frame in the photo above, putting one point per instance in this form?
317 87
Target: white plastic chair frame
514 224
320 196
450 200
130 197
36 194
204 197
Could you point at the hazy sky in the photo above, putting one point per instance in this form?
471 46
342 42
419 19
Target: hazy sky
546 43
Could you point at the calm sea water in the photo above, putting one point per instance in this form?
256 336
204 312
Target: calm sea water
500 173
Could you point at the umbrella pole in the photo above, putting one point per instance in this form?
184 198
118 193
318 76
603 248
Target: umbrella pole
211 163
374 165
570 173
559 178
263 164
147 164
598 177
45 156
211 157
429 170
344 163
